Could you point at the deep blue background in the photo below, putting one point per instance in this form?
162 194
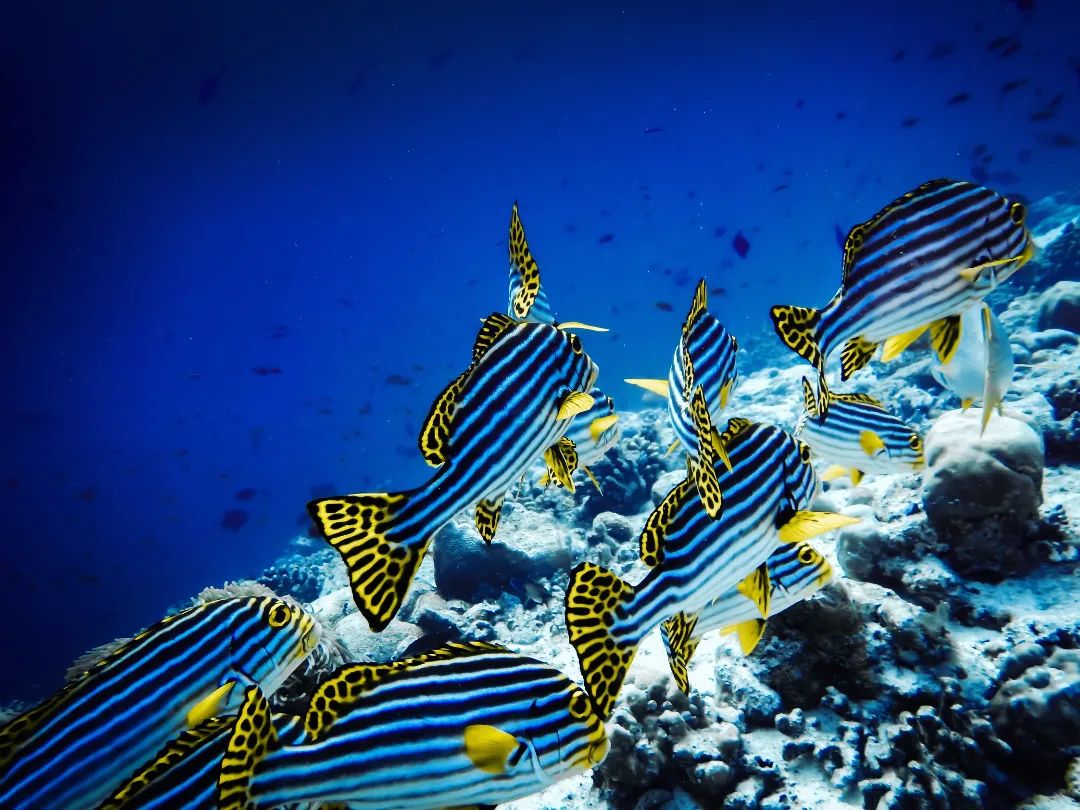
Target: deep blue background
193 192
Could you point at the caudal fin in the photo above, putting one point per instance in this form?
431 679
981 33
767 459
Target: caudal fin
592 599
681 644
797 327
252 737
380 567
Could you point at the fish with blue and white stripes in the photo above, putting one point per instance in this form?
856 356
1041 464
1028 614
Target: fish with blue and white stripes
75 748
710 352
983 366
915 266
693 555
510 406
857 434
468 724
796 572
593 433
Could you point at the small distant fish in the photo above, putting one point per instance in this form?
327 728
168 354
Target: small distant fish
841 115
899 54
979 149
717 291
663 306
1023 156
998 42
234 519
1061 140
800 102
652 130
264 371
1010 49
607 237
941 49
210 86
1013 84
719 231
245 494
959 98
780 187
194 375
741 245
398 379
440 59
908 123
87 494
278 331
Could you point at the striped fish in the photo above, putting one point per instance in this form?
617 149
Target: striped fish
73 749
709 351
694 555
796 572
513 403
916 265
593 433
857 434
469 724
982 368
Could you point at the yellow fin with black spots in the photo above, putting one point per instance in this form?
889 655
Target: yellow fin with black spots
573 403
172 753
681 645
856 353
797 328
253 736
380 568
490 748
651 542
805 524
809 400
525 288
871 443
702 468
562 460
593 597
488 512
494 327
659 387
945 337
435 434
894 346
757 587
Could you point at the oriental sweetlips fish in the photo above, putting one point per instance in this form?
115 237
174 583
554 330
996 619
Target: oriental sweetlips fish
695 556
468 724
73 749
915 266
982 367
796 572
514 401
705 356
857 434
592 433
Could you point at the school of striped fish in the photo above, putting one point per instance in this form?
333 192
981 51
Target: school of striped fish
179 715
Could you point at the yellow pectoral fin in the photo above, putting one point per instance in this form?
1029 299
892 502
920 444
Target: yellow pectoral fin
601 424
871 443
210 705
721 451
966 403
749 634
725 392
489 748
856 476
575 402
833 471
659 387
969 274
582 326
805 524
897 343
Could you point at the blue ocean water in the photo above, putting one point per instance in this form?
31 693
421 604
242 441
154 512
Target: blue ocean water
247 245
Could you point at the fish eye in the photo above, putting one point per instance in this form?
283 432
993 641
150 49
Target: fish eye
915 442
734 343
806 555
1017 213
804 452
580 707
575 344
280 614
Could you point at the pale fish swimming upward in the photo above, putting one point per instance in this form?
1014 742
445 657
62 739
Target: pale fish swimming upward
916 265
76 747
593 433
513 402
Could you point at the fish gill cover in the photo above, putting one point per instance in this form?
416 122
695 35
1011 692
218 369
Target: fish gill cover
247 250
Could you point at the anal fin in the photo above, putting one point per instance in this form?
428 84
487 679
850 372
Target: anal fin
893 347
488 512
757 587
945 337
681 644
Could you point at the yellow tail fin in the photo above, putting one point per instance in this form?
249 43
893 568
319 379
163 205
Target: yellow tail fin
380 568
681 644
592 598
797 327
252 737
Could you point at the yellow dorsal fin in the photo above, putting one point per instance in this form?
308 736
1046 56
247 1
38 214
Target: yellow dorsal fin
210 705
600 424
805 524
757 587
651 542
970 274
435 434
494 327
488 512
833 471
659 387
945 337
858 399
702 468
681 645
871 443
698 306
574 403
489 748
252 738
897 343
809 400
